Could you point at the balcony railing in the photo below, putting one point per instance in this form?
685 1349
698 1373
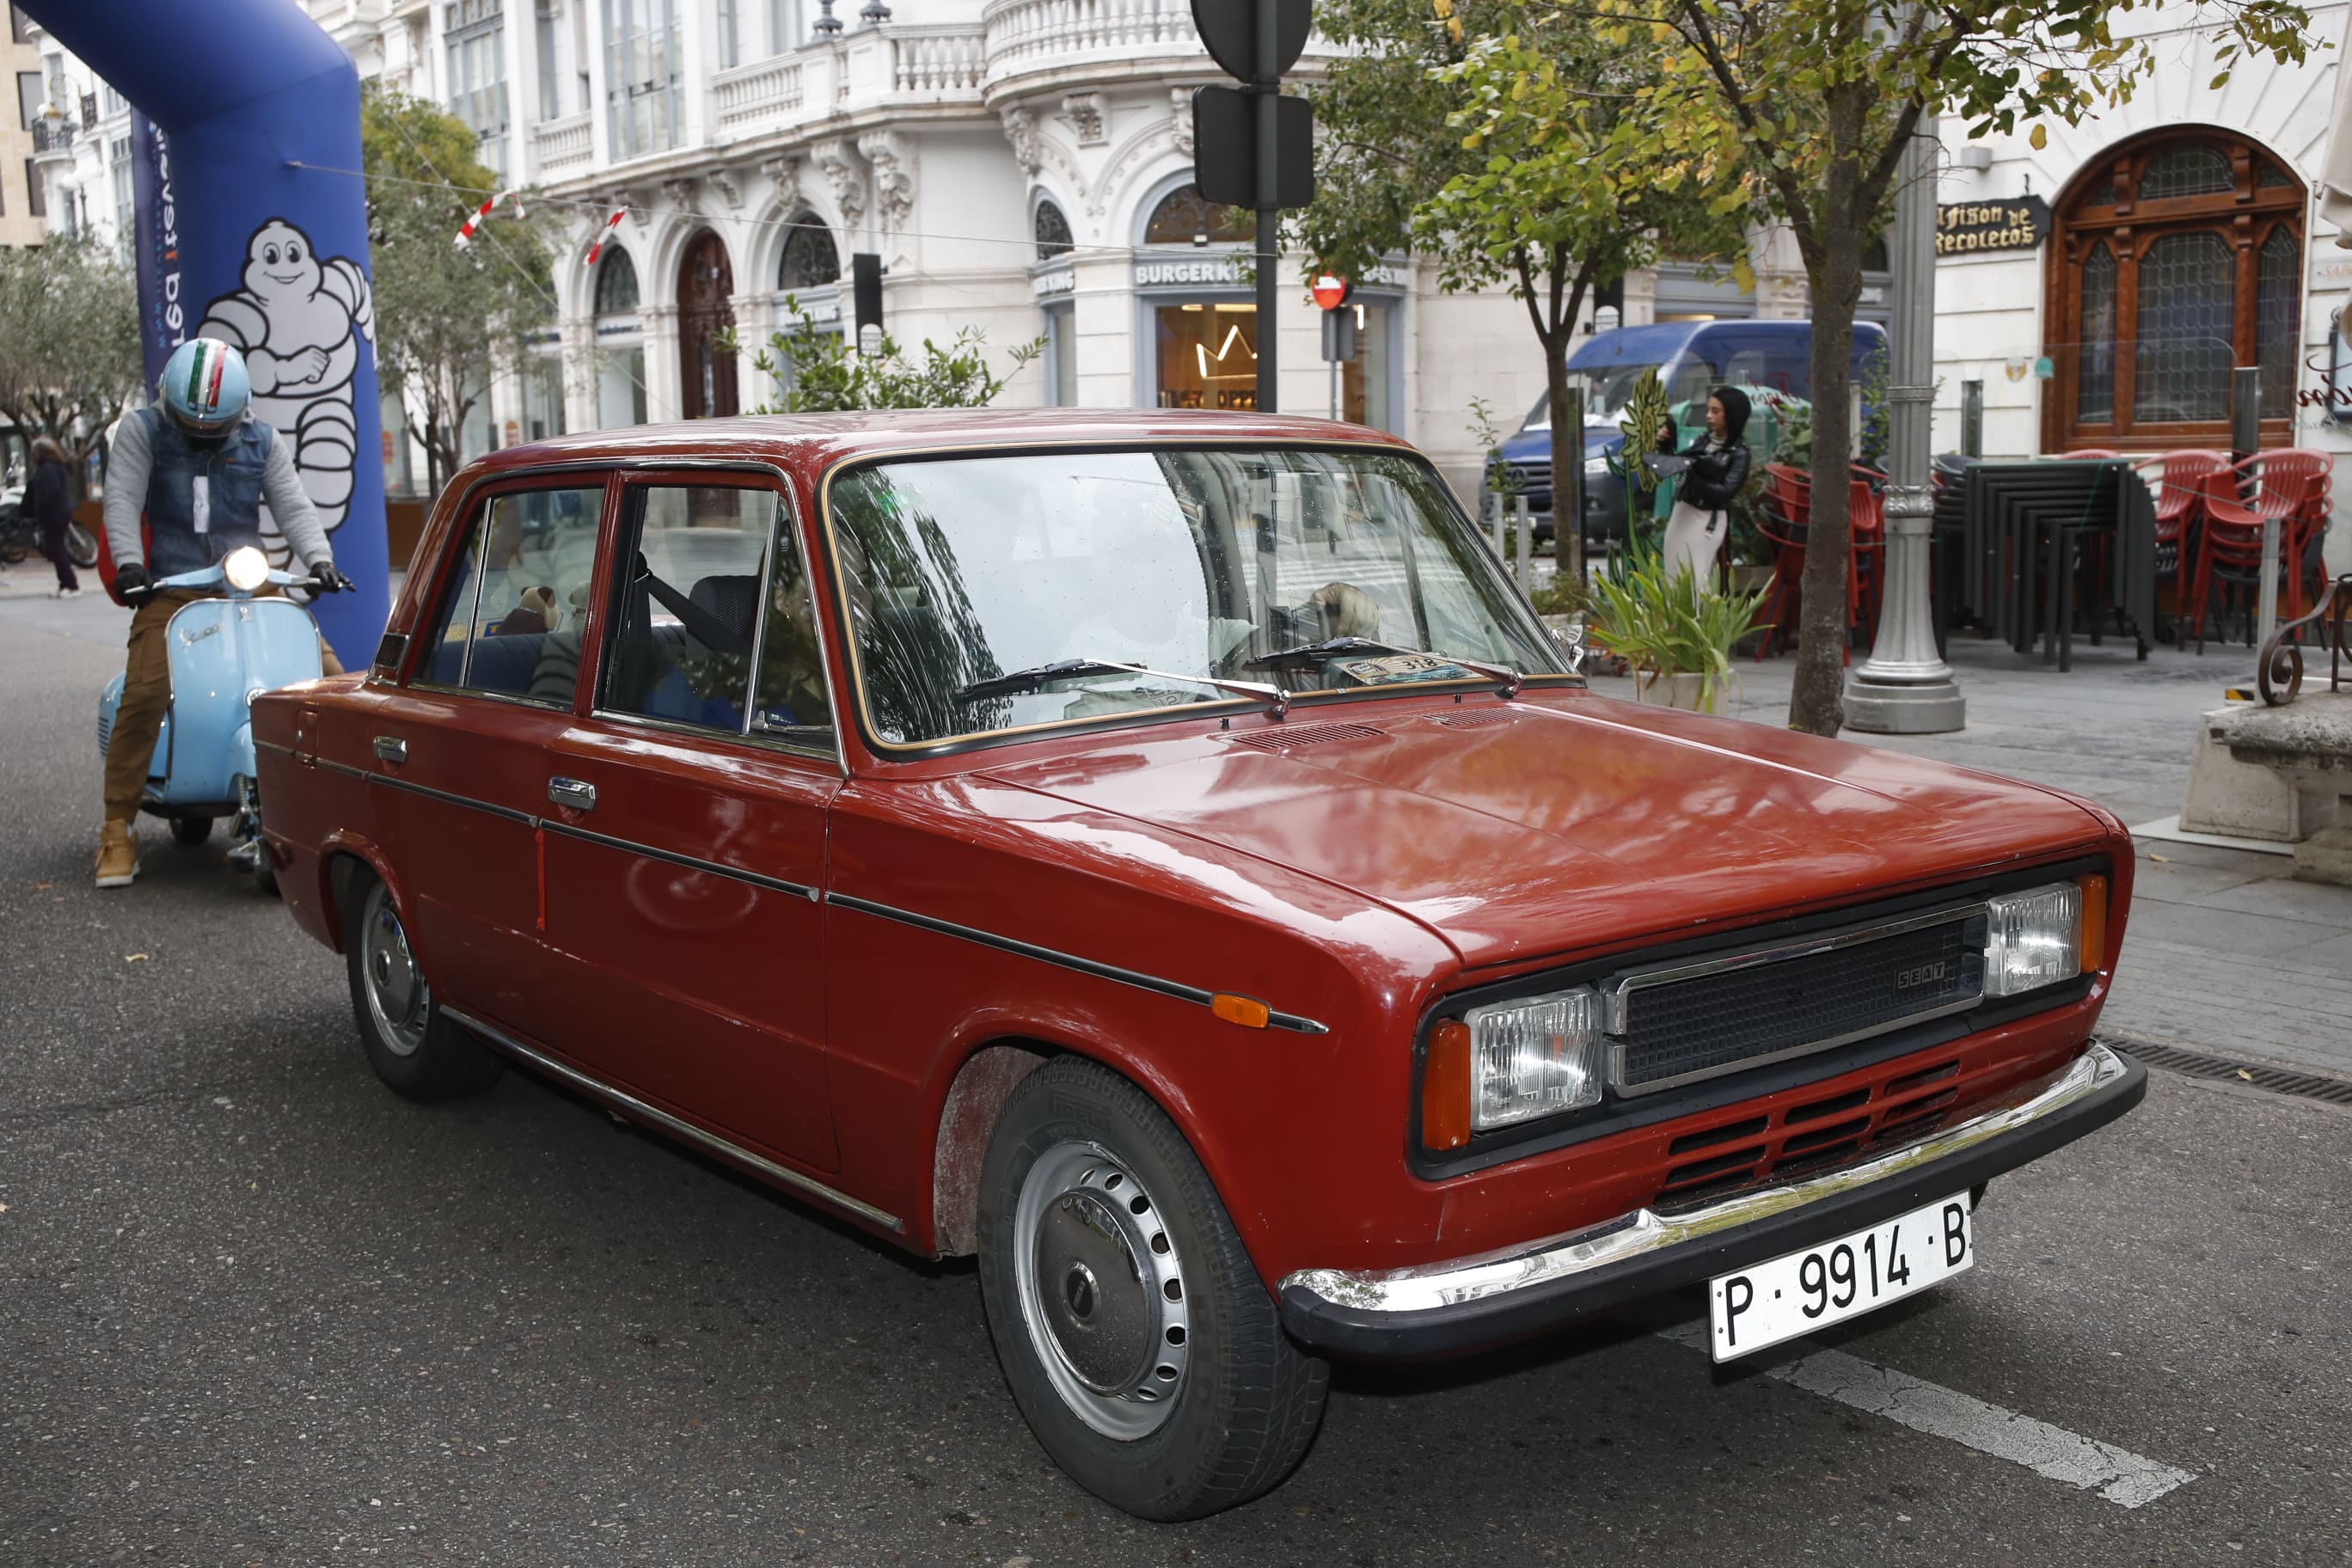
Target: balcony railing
53 136
559 142
936 62
1023 33
763 89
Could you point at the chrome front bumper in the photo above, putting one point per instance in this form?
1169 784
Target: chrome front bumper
1472 1303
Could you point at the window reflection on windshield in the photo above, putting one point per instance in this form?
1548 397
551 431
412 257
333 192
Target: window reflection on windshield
1187 562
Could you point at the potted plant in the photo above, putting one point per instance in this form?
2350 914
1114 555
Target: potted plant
1676 635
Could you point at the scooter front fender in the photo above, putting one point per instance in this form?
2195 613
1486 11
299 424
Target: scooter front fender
221 651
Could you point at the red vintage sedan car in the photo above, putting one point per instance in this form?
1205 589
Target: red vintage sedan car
1161 855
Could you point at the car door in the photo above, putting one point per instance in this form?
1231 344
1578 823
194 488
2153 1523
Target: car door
686 821
459 753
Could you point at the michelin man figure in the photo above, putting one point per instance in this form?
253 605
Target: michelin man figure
299 323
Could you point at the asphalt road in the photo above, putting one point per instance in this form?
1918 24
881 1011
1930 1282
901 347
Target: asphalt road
255 1309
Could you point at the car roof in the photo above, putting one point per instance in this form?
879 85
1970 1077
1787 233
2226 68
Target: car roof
1660 340
811 443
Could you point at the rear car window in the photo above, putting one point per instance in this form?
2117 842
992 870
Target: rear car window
509 621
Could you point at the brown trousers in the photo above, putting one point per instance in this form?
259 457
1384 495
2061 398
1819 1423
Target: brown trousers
147 697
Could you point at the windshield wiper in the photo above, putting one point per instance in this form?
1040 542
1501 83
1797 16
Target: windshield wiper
1334 648
1275 698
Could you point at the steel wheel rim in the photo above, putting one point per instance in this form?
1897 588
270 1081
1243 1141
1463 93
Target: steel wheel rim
397 997
1103 1297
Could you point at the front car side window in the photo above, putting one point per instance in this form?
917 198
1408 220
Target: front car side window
510 621
687 617
791 701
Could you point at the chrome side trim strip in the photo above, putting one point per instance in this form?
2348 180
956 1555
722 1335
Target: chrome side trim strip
1111 971
1645 1231
630 847
682 1129
411 786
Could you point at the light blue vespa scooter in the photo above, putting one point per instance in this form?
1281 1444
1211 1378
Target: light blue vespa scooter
222 652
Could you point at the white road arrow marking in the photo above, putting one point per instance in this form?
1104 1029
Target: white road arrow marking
2116 1474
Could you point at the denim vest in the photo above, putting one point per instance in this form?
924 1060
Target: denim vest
232 466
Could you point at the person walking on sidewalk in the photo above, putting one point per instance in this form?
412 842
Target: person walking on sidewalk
200 466
49 496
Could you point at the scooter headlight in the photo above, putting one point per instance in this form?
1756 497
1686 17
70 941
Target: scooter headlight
246 569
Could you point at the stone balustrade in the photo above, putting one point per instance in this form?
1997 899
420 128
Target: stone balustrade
936 62
558 143
764 90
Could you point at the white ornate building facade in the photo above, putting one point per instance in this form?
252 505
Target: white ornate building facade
1021 167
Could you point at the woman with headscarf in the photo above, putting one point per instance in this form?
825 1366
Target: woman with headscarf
49 496
1717 467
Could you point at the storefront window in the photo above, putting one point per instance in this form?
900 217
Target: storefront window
2280 279
2177 255
620 344
1364 380
542 397
1207 356
2095 392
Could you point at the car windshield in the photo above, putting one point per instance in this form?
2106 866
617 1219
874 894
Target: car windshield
1606 388
969 579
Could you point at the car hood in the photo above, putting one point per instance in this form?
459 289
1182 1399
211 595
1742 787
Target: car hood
1526 446
1565 820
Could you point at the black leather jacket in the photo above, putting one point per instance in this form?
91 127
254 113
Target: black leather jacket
1713 477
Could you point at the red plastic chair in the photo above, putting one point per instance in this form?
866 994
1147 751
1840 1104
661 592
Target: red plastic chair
1788 513
2089 455
2294 492
1865 583
2178 478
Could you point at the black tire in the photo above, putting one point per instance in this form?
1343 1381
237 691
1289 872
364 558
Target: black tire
188 832
415 1048
81 545
1085 1166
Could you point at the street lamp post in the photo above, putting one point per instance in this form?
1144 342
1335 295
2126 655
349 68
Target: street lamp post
1904 688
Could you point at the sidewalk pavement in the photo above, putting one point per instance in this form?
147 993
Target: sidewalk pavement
2224 950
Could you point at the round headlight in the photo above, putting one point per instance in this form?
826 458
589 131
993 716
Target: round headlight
246 569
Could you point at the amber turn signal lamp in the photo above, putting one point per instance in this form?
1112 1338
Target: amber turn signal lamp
1445 1087
1239 1010
2094 921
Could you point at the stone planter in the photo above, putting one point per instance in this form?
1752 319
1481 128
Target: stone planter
1676 690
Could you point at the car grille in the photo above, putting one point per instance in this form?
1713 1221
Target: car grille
1532 479
1676 1022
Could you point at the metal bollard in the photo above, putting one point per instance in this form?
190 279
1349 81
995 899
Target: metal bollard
2246 437
1972 418
1523 524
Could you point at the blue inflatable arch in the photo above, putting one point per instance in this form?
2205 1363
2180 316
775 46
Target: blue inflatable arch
241 109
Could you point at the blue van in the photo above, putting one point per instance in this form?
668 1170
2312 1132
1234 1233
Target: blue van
1691 358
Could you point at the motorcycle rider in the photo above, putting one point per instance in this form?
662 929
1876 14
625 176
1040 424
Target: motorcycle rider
199 465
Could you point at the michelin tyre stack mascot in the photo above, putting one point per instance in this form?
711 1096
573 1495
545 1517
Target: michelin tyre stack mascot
299 322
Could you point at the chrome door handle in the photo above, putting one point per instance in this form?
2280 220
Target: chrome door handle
573 793
391 748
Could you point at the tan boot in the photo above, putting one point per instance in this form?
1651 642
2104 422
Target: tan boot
118 854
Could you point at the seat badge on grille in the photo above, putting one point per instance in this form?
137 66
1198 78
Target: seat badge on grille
1923 975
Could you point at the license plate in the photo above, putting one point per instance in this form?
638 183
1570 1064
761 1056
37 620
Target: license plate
1794 1294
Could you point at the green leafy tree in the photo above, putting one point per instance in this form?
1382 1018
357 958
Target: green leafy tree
828 374
447 317
1824 96
70 356
1562 172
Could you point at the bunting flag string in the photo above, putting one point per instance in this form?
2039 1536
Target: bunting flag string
606 233
466 234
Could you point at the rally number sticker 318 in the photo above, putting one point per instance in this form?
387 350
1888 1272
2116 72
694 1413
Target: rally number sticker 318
1796 1293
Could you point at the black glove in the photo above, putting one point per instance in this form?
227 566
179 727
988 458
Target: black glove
330 580
130 581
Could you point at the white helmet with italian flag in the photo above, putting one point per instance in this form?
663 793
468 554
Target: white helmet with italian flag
204 387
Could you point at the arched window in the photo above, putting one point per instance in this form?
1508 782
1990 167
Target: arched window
2177 256
1184 217
616 283
1053 232
810 261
